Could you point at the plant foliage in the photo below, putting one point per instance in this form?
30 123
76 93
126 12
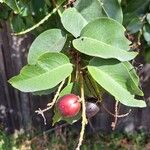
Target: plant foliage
86 38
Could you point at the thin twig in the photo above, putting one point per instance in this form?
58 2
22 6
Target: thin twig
56 95
50 105
55 5
84 119
118 116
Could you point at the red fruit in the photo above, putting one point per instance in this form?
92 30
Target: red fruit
69 105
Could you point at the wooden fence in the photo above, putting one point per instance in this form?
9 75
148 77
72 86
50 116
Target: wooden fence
17 108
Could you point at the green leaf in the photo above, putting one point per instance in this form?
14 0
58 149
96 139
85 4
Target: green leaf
114 78
17 24
51 40
108 31
57 116
39 9
90 9
84 11
134 25
45 92
97 48
113 9
146 33
73 21
13 5
104 38
4 12
72 87
133 79
66 90
137 7
50 70
148 18
93 9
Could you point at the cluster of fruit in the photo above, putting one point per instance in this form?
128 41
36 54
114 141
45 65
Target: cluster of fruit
69 106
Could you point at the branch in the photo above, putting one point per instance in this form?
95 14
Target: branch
39 23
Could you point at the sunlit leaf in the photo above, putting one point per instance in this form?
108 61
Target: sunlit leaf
51 40
50 70
114 78
104 38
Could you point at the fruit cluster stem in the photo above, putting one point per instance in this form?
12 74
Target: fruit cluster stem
84 119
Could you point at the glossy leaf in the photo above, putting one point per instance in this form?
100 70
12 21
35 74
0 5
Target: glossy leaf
113 9
104 38
51 40
50 70
114 78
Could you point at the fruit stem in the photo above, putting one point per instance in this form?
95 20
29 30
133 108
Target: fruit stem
84 119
